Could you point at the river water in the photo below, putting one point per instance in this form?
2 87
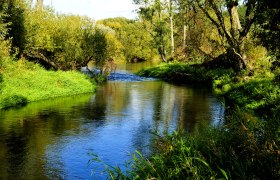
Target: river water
55 139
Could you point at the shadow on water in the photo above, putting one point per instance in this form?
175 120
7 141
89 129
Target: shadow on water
52 139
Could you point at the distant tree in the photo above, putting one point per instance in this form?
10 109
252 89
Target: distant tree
105 45
156 13
137 44
170 12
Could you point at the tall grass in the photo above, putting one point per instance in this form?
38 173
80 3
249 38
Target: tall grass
25 82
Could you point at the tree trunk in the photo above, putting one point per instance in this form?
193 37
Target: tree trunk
184 35
234 19
171 27
235 35
162 49
42 59
185 29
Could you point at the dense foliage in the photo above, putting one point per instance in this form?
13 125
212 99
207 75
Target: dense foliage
268 20
137 45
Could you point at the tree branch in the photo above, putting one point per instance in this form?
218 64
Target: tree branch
218 26
250 17
222 22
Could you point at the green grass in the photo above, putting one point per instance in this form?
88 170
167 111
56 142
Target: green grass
185 73
25 82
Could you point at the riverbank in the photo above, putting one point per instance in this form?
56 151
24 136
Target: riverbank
24 82
245 146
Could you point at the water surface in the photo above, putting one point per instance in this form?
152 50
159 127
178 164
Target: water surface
53 139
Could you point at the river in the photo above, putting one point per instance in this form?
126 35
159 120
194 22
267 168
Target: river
54 139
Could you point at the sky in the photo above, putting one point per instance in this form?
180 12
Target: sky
96 9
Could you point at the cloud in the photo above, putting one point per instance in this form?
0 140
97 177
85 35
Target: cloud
97 9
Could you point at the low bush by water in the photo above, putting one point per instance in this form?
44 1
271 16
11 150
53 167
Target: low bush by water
25 82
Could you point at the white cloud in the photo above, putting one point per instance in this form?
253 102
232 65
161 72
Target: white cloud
97 9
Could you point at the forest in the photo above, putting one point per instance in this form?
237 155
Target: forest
229 46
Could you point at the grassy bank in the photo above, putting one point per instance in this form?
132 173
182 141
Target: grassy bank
185 73
25 82
245 146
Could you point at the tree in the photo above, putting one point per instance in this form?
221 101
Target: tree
39 5
170 6
183 7
154 12
235 34
41 29
268 28
4 44
137 45
14 19
101 46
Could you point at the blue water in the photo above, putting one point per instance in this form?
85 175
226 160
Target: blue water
55 139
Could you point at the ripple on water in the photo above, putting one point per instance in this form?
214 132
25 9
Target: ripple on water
127 77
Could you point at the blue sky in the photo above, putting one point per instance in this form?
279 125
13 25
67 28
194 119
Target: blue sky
96 9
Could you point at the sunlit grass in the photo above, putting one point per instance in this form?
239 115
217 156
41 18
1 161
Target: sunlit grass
25 82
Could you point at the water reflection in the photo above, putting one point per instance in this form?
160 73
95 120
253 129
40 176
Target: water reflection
52 139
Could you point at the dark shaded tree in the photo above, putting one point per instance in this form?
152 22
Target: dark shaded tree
268 26
14 18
